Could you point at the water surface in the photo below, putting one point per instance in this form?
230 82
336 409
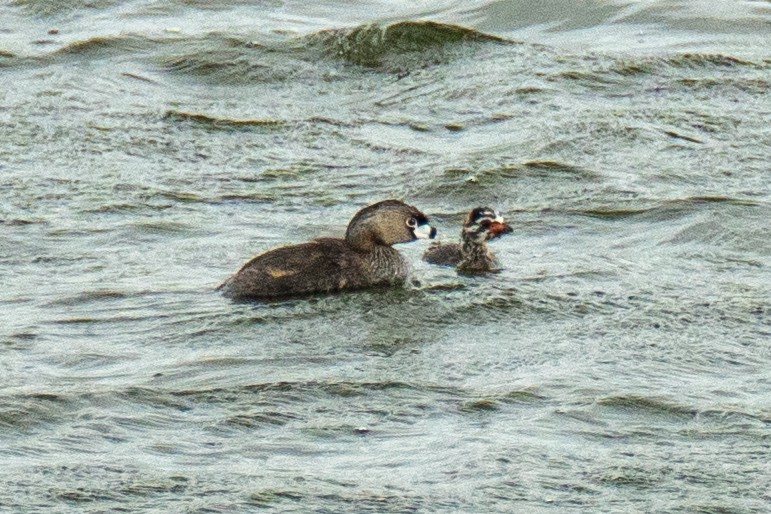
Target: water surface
618 363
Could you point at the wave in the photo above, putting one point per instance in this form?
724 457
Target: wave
349 388
105 46
88 297
651 65
398 47
647 405
24 412
662 210
464 186
46 8
712 420
609 72
27 410
370 45
270 403
699 60
220 122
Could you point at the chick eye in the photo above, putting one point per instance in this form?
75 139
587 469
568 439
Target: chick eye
412 223
485 223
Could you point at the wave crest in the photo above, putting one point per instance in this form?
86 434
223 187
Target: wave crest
370 45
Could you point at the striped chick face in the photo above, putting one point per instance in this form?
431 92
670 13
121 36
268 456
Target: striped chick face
483 224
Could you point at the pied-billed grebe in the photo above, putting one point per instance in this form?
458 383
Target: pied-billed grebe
363 259
472 254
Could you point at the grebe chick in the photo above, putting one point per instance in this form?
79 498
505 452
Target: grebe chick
472 254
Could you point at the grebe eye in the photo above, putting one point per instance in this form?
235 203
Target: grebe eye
412 223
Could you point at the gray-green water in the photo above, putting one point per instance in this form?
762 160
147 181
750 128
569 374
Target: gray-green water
621 362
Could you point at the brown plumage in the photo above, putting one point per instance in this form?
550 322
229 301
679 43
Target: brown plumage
472 254
364 258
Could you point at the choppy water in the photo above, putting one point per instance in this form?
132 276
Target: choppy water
621 362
